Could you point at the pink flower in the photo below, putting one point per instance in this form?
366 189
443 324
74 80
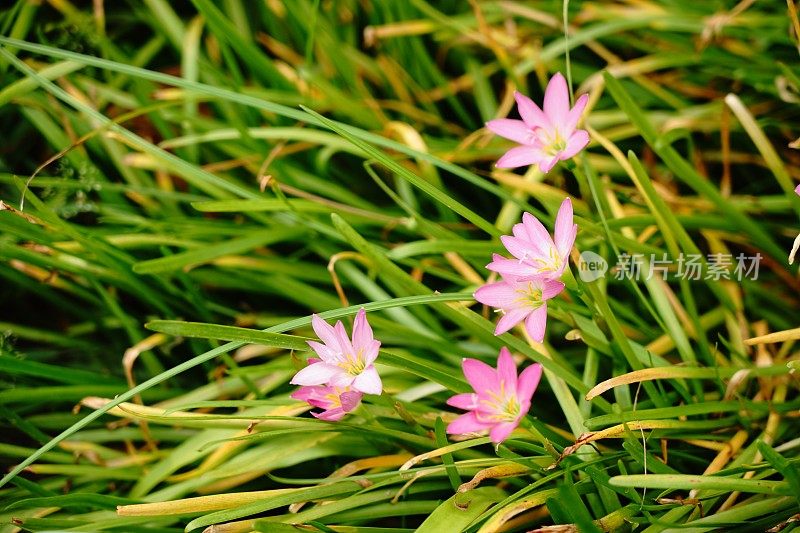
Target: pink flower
341 363
500 399
545 137
520 299
537 254
335 402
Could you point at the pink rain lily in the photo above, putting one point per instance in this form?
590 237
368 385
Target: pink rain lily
545 136
537 254
520 299
500 399
334 401
343 363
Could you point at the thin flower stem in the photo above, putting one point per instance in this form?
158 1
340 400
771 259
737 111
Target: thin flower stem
561 391
568 278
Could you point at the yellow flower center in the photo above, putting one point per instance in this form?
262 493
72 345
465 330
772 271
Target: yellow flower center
334 399
529 295
504 407
354 364
551 141
551 263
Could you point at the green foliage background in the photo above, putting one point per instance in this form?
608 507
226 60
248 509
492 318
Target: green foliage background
184 183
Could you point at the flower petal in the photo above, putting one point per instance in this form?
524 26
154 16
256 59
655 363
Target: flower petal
368 381
480 376
466 400
370 352
556 101
323 351
320 401
316 374
500 432
500 295
302 394
520 232
511 319
518 248
344 340
574 115
547 164
576 142
565 230
362 332
536 322
537 233
350 400
529 250
341 379
507 370
330 415
466 423
516 130
325 332
528 381
551 288
524 249
519 156
530 112
511 267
